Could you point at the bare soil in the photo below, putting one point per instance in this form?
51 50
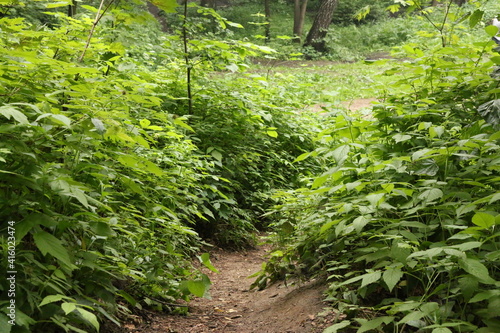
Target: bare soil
234 308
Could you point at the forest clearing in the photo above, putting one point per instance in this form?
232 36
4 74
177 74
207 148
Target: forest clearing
249 166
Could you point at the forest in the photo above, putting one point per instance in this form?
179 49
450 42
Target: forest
138 136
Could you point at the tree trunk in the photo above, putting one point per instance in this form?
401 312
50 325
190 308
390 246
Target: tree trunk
155 11
316 36
267 11
72 9
299 15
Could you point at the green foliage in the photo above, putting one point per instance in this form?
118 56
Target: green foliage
346 13
100 181
402 222
111 178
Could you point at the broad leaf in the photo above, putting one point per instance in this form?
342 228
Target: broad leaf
483 220
90 317
11 112
205 260
475 18
47 243
476 268
336 327
490 111
168 6
375 324
370 278
391 277
68 307
431 195
52 299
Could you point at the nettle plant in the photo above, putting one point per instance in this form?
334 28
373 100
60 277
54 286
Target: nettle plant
102 183
404 219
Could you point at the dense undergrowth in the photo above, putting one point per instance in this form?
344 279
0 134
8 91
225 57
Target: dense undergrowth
125 153
403 220
112 180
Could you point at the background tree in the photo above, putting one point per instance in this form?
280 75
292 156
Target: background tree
299 14
315 37
267 11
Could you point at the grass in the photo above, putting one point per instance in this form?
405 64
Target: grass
327 81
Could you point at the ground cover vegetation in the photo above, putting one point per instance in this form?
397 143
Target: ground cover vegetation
111 173
404 217
125 153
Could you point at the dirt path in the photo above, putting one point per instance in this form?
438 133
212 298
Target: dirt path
233 308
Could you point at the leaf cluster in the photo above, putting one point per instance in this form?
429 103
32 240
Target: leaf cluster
403 220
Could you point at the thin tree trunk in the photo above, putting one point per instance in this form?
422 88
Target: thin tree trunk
267 11
155 11
298 19
316 36
72 9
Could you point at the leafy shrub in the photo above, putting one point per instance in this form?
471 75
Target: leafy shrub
403 220
100 182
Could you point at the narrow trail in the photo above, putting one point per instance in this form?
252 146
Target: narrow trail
233 308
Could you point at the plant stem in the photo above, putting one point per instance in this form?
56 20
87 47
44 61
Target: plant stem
186 59
98 17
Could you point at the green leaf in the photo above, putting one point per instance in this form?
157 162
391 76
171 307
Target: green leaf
475 18
412 316
476 268
168 6
375 198
485 295
272 134
233 68
341 153
57 118
127 297
392 276
302 157
102 229
401 137
90 317
468 285
205 260
217 155
68 307
491 30
52 299
490 111
180 121
47 243
11 112
79 194
320 180
370 278
144 123
374 324
5 327
153 168
328 225
99 125
199 287
360 222
336 327
483 220
431 195
58 4
441 330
